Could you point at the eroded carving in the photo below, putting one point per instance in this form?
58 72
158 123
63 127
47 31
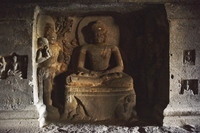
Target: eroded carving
124 109
2 66
68 48
43 53
63 25
189 57
53 65
50 58
13 65
189 85
51 62
75 110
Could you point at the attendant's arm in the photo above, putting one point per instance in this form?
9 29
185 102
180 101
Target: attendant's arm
40 58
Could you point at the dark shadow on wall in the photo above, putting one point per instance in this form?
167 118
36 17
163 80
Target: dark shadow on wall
59 93
144 44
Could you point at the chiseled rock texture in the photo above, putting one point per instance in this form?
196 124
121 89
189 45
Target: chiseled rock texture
86 128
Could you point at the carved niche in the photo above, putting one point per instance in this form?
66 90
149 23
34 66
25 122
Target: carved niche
189 85
189 57
57 56
69 94
13 65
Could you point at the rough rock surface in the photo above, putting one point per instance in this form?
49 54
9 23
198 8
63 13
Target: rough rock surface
86 128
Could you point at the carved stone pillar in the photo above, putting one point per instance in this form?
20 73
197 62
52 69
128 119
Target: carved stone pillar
184 107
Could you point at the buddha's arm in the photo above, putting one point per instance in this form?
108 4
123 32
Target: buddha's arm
81 61
119 63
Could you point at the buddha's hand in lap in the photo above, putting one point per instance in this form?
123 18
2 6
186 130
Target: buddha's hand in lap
93 74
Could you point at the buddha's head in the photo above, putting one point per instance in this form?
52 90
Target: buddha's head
99 32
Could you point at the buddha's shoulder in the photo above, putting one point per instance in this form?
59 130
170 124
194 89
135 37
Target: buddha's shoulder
112 46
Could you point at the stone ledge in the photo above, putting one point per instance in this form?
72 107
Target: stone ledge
21 114
182 111
181 116
98 90
181 120
19 125
29 112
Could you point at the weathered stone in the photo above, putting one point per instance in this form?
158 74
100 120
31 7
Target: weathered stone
184 85
183 11
159 1
98 104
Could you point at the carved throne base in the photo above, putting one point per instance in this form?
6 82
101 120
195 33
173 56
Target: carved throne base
98 104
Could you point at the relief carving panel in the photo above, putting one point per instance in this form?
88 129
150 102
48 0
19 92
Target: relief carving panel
80 62
13 65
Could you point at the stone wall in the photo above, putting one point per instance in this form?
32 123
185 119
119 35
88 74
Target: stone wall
16 92
16 36
184 73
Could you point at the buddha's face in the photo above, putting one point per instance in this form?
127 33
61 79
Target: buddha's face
99 37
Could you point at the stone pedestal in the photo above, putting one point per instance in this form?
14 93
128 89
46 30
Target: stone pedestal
27 117
98 104
183 110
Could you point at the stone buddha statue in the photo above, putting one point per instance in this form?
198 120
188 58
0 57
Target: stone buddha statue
99 90
100 64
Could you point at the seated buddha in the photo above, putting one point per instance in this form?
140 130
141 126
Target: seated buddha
100 64
99 90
